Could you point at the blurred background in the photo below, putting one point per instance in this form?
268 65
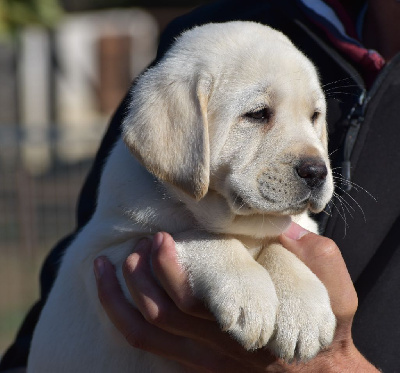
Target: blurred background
64 67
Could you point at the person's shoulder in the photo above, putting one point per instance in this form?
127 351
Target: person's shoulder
275 13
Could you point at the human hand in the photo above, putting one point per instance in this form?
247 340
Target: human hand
171 323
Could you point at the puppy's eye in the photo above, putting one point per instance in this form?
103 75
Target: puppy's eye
315 116
262 115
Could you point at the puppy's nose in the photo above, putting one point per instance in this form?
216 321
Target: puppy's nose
312 171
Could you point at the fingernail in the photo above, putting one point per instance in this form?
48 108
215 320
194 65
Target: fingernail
98 267
157 240
295 232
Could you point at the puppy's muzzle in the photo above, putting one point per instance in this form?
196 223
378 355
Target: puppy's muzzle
312 171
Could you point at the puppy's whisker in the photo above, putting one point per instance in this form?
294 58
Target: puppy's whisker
358 205
340 87
333 151
335 172
344 182
263 221
336 81
341 93
275 225
342 216
240 206
335 98
325 210
356 186
345 206
344 220
234 203
338 196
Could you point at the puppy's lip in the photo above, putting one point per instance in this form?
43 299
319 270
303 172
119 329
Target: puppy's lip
299 206
309 201
313 201
305 201
239 205
316 206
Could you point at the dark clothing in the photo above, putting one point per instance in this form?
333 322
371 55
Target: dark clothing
364 131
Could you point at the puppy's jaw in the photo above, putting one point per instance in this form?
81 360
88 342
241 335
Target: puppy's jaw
278 193
261 226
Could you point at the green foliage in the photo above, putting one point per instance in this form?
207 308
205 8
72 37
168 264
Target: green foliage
15 14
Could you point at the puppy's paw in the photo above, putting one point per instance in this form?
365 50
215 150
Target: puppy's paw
305 323
245 305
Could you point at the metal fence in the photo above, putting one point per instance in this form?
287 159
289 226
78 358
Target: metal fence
37 208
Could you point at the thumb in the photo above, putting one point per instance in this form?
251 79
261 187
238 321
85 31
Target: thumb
317 252
323 257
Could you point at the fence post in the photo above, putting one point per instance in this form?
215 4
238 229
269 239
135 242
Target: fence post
26 211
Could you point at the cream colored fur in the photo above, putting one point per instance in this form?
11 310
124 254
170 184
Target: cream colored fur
223 183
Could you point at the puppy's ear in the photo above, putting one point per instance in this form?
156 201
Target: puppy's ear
167 130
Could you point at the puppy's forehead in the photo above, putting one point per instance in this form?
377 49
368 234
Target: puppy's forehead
238 55
271 76
275 66
266 60
230 44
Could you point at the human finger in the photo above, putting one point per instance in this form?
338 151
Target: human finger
323 257
175 281
173 278
196 356
122 314
158 308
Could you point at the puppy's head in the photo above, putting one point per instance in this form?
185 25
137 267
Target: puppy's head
235 109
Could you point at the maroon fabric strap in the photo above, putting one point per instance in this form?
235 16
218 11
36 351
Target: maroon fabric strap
368 61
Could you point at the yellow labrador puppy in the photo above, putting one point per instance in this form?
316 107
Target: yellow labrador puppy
224 143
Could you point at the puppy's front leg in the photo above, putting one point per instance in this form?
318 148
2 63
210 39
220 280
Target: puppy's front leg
236 289
305 323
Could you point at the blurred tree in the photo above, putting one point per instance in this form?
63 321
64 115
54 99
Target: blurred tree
15 14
